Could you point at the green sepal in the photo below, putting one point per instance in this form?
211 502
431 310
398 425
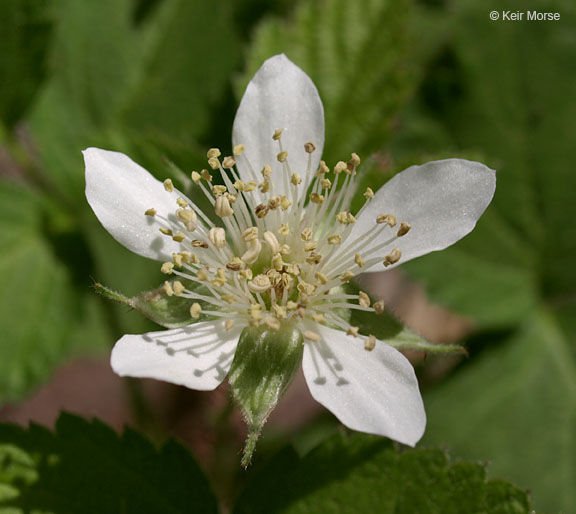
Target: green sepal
389 329
168 311
263 367
408 340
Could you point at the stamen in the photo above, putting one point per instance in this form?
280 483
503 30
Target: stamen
404 229
388 219
370 343
195 310
167 268
378 307
392 258
168 186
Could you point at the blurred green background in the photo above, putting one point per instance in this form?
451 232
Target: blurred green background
405 81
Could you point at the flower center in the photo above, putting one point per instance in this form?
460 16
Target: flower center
283 247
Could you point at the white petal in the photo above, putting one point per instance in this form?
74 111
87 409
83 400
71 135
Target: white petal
375 392
279 96
197 356
442 200
119 192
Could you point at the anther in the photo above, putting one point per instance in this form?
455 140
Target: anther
179 237
206 175
316 198
213 153
214 163
238 150
306 234
165 231
392 258
261 210
197 243
293 269
266 171
359 260
282 156
285 203
322 279
346 277
335 239
322 168
295 179
167 288
352 331
177 259
236 264
195 310
370 343
388 219
273 203
284 229
306 288
340 167
368 194
150 212
178 287
314 258
363 299
264 186
168 186
181 202
325 183
277 134
291 306
309 147
228 162
404 229
167 268
279 311
218 190
378 307
196 177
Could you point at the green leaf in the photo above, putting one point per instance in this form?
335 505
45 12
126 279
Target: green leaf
25 26
146 89
362 473
37 303
358 54
85 467
515 406
507 100
264 365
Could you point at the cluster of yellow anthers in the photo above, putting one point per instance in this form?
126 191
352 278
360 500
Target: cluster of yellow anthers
276 257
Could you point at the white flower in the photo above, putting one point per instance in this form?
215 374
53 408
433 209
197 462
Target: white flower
284 244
